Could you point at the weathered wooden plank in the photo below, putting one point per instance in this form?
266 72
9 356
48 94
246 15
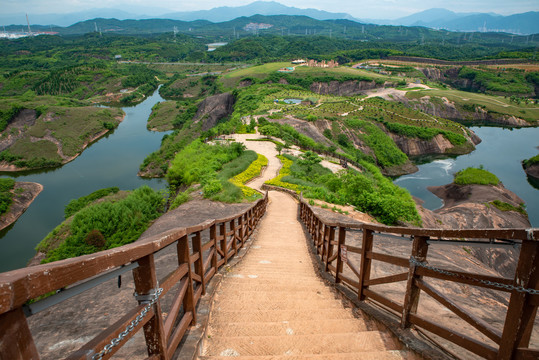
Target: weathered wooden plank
476 322
172 278
466 342
178 334
98 343
175 308
390 259
349 281
387 279
383 300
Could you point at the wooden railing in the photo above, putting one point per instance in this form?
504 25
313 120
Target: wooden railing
330 240
198 261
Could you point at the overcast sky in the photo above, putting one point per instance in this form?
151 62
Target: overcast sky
381 9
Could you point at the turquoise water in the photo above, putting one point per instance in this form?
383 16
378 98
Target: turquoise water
112 161
500 152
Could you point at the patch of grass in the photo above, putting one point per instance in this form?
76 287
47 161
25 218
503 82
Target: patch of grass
477 176
531 161
503 206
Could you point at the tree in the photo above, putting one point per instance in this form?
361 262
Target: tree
309 159
279 146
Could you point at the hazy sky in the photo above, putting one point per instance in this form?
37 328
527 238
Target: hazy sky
381 9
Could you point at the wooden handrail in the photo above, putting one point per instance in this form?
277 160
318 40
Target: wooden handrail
512 343
197 264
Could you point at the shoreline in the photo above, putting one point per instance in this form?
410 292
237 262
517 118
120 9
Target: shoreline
21 202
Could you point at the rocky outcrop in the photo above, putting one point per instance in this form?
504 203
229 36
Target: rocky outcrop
415 146
15 130
469 207
475 114
306 128
24 194
533 171
214 108
344 88
434 74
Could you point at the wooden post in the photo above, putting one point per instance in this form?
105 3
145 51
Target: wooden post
146 281
329 252
411 297
365 268
184 258
16 342
322 242
199 264
213 238
519 319
222 235
341 241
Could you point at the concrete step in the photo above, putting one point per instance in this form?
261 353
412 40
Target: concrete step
366 355
295 345
291 328
287 303
224 317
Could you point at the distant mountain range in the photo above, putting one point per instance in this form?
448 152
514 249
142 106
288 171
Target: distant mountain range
525 23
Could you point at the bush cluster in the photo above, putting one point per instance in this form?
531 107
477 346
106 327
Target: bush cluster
120 223
252 171
477 176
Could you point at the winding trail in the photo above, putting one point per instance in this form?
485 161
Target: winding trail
273 305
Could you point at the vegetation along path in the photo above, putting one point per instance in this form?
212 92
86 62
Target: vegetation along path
273 304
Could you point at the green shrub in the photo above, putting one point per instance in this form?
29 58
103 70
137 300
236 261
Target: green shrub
477 176
212 187
181 198
120 222
75 205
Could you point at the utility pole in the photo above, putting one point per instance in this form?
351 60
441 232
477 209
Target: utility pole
28 22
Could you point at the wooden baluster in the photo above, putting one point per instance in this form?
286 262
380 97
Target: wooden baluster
16 341
341 241
185 258
146 281
329 252
222 239
420 248
199 264
365 268
234 236
213 238
520 313
241 230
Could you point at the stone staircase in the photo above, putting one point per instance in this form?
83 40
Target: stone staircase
273 305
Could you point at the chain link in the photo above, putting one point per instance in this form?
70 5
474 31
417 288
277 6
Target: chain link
116 341
416 262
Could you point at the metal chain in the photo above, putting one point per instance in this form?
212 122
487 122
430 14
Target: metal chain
116 341
416 262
